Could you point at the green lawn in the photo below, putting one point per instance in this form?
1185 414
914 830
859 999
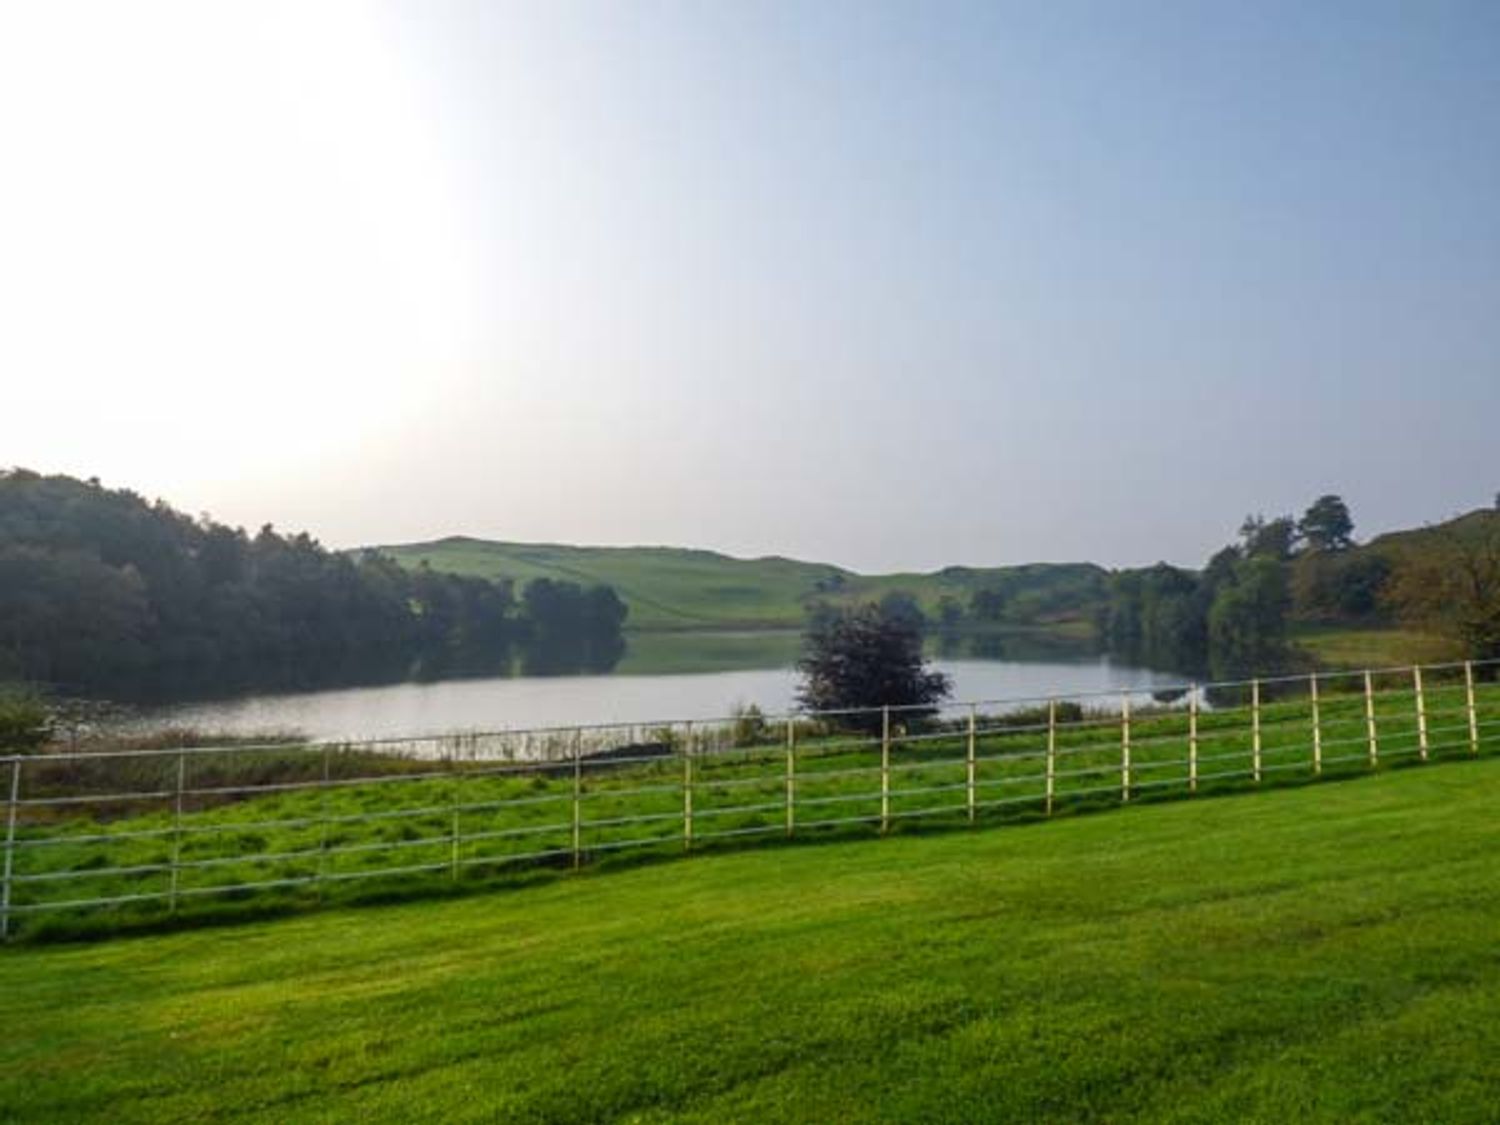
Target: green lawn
1324 953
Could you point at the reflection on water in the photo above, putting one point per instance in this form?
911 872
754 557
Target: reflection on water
667 676
662 653
674 653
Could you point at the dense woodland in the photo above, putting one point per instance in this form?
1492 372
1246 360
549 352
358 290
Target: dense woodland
103 592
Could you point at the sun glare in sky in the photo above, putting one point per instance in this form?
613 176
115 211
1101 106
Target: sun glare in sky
877 284
232 252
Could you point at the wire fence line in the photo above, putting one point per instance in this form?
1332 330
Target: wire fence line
105 839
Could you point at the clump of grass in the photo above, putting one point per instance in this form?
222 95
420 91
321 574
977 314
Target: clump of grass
25 719
93 740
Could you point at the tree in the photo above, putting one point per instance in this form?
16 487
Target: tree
1159 615
950 614
1453 588
1247 623
1269 539
987 604
862 657
903 608
1326 525
102 591
1339 586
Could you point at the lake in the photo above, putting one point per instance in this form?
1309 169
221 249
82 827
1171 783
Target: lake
652 683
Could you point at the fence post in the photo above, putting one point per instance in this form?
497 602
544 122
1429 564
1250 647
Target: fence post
791 776
973 738
687 790
1125 747
322 824
1416 679
1370 719
453 804
885 770
177 827
1473 712
1255 730
577 799
10 845
1193 738
1317 724
1051 754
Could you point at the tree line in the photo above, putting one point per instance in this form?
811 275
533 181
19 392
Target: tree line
1233 617
1230 618
103 592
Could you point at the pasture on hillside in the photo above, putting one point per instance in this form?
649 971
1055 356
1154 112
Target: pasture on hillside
680 588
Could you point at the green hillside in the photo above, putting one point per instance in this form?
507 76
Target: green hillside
1321 954
1480 522
676 588
1341 613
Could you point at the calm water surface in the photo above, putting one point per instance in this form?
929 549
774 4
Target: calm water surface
509 703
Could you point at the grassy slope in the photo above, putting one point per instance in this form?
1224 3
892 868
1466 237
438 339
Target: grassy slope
1481 521
1383 642
1323 953
669 587
304 845
1334 646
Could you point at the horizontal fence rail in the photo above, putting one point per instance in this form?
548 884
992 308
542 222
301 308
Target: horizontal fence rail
109 838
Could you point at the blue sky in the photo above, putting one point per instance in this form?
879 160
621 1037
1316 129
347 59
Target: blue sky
887 285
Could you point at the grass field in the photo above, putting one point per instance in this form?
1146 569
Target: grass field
1324 953
287 827
676 588
1343 647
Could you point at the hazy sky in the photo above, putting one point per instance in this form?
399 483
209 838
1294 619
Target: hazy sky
887 285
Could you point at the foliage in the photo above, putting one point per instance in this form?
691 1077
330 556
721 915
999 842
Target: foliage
1453 588
1232 618
1340 586
749 726
1247 623
1275 539
900 608
1160 614
1327 525
987 604
101 591
950 613
25 719
865 656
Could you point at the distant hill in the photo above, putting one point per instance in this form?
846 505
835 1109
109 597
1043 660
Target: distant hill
679 588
